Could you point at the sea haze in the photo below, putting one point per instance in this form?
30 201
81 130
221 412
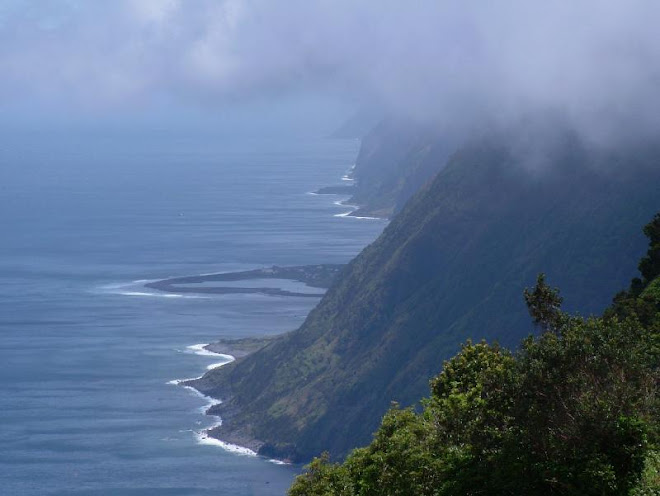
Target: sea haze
86 352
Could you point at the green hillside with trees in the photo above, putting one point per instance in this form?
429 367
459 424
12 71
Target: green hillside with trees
575 411
451 266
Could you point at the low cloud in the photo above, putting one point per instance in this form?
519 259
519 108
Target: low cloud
595 62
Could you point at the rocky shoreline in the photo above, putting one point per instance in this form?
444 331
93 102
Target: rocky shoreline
210 385
217 383
360 211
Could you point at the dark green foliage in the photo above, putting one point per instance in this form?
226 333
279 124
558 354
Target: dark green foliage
584 407
544 305
649 485
570 414
650 264
323 479
573 412
642 299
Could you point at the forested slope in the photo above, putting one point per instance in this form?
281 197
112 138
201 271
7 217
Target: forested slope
573 412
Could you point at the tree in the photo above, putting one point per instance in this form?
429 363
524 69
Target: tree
649 266
573 412
544 305
642 300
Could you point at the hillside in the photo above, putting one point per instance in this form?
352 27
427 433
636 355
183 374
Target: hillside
572 412
451 265
396 158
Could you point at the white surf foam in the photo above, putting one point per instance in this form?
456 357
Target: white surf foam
363 217
176 382
342 203
209 403
161 295
202 436
200 349
137 288
220 364
349 216
345 214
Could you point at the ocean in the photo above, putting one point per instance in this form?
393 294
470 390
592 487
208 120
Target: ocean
88 354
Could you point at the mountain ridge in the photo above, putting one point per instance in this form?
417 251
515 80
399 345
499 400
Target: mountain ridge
450 266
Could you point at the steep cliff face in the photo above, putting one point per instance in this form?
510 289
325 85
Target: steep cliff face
396 158
450 266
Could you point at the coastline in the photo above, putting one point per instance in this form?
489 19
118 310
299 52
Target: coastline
229 350
238 445
358 211
361 212
208 386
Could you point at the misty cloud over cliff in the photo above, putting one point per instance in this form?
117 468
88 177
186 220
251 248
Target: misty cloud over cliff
597 63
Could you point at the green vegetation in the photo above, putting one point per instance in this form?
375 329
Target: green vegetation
575 411
544 305
450 266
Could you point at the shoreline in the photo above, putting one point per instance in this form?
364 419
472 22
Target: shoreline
205 436
360 212
319 276
221 406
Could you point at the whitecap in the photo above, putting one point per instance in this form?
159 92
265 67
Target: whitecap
364 217
204 438
342 203
200 349
177 382
162 295
219 364
345 214
359 217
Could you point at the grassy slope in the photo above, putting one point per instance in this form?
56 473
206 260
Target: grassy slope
451 265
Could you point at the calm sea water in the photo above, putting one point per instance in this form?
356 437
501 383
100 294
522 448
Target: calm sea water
85 355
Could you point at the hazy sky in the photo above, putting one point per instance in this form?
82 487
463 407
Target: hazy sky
595 61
